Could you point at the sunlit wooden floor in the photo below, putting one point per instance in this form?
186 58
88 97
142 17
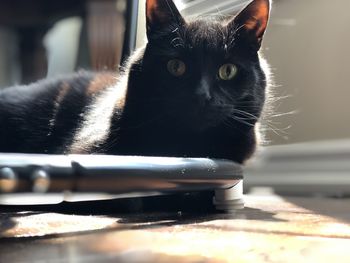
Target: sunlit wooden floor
269 229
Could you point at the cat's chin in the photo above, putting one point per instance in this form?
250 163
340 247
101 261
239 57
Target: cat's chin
203 123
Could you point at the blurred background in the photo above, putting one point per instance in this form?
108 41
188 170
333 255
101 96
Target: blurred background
41 38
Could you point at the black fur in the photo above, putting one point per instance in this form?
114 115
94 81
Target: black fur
26 113
195 115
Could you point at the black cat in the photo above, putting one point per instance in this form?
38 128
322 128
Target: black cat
197 89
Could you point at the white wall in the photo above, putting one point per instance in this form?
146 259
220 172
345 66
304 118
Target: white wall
307 45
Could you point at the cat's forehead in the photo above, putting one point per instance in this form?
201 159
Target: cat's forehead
207 35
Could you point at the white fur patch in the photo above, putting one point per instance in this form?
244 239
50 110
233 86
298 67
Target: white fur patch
95 127
263 125
97 121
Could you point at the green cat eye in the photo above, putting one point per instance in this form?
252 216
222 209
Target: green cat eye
227 71
176 67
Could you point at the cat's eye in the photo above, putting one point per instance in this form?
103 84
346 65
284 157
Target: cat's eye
227 71
176 67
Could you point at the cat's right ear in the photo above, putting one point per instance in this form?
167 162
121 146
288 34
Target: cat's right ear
162 15
250 24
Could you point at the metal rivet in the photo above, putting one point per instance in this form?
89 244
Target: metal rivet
8 180
41 181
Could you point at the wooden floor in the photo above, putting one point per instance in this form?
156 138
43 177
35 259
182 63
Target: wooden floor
269 229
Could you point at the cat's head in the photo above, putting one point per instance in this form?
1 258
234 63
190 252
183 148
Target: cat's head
206 72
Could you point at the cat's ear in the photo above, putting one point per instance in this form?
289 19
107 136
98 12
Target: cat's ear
252 21
160 15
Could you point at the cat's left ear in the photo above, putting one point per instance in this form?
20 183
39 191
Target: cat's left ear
252 21
161 15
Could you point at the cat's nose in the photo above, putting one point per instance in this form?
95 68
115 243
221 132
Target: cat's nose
203 91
